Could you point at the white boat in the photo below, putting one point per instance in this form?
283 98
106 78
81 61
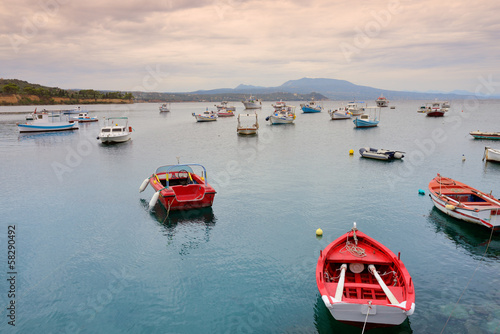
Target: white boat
83 117
285 115
434 109
116 130
380 154
355 108
491 154
279 105
47 122
341 113
226 106
382 101
248 124
165 107
206 116
252 103
75 110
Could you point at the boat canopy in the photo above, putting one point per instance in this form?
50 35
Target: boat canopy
183 167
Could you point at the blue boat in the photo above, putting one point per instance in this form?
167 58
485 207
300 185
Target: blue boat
311 107
368 120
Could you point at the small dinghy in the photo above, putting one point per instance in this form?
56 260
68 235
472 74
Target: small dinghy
363 283
380 154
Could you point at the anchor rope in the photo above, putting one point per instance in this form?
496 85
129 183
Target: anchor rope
354 249
467 285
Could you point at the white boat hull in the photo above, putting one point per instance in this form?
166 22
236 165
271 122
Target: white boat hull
483 217
338 116
247 131
491 154
281 120
378 314
23 128
252 105
114 138
201 118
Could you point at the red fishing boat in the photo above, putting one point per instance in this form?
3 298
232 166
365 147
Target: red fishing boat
363 283
464 202
180 187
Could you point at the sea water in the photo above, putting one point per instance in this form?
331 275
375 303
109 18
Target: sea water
91 258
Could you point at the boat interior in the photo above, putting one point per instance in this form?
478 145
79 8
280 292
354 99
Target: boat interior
363 285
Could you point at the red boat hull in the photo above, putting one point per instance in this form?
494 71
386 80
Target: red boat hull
354 294
197 194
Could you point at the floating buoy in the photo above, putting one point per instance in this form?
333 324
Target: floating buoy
421 192
319 232
153 200
463 157
144 184
351 152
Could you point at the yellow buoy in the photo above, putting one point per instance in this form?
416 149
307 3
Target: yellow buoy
351 152
319 232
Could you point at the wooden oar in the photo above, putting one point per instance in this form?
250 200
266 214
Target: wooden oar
384 287
340 285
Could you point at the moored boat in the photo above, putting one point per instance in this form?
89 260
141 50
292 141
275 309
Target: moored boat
341 113
285 115
434 109
485 135
311 107
248 124
463 202
491 154
165 107
362 282
180 187
368 120
279 105
222 112
47 122
83 117
380 154
116 130
382 101
252 103
356 108
206 116
225 105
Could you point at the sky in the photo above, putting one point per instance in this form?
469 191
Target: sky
181 46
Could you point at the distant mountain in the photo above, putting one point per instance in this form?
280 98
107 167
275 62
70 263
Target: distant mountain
337 90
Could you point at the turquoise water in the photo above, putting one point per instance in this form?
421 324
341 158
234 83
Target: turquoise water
91 258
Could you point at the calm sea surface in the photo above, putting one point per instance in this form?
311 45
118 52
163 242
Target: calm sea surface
91 258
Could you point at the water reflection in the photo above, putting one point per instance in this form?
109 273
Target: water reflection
472 237
189 228
326 323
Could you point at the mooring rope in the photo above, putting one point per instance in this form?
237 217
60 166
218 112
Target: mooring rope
353 248
474 273
367 312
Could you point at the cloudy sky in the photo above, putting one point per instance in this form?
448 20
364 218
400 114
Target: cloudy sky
180 45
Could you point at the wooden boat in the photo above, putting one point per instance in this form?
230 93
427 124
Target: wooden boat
311 107
165 107
180 187
382 101
380 154
434 109
116 130
225 105
248 124
285 115
206 116
46 121
368 120
362 282
491 154
356 108
222 112
279 105
485 135
252 103
341 113
463 202
83 117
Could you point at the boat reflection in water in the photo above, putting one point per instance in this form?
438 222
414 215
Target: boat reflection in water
326 324
466 235
189 228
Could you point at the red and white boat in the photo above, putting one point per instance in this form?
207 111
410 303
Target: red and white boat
223 112
363 283
463 202
180 187
382 101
